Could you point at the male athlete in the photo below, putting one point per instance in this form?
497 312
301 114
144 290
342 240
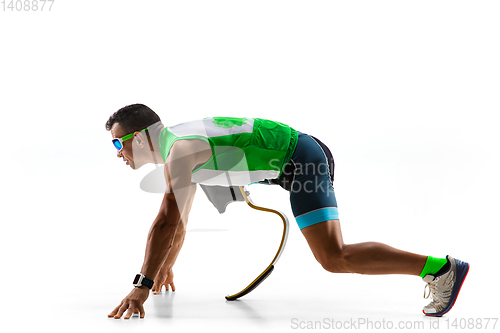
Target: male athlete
210 151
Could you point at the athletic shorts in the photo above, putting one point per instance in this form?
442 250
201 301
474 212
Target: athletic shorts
309 179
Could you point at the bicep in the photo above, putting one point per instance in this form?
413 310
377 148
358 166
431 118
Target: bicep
180 190
182 159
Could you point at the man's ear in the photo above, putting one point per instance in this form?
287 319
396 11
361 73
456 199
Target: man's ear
139 139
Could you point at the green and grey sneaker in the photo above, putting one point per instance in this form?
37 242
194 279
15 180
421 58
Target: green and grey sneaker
444 288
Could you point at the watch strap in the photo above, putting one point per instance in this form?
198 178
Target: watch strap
141 280
148 283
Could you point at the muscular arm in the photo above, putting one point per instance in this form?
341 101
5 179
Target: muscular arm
166 235
171 220
165 276
170 224
161 238
179 238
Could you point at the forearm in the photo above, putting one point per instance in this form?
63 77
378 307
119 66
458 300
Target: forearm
174 251
172 216
159 245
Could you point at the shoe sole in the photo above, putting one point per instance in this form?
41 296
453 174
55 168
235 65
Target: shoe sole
456 288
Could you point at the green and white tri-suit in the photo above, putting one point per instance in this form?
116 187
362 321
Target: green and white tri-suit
245 150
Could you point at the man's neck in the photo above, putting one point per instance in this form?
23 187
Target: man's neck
154 134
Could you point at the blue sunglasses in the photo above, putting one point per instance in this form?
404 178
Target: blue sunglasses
118 142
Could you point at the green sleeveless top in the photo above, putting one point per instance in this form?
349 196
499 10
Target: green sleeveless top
244 150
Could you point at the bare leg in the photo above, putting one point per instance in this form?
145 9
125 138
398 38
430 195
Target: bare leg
327 245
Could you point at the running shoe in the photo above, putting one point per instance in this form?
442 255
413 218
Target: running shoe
444 288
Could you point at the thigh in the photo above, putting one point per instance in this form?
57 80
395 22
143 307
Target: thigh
311 195
324 239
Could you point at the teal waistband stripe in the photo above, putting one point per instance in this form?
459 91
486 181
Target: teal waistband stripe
317 216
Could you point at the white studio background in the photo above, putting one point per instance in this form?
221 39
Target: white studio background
405 94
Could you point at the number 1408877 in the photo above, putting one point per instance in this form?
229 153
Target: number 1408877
27 5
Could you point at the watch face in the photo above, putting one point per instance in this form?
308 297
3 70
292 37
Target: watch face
136 280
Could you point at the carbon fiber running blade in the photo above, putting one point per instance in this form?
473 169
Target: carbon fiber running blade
252 285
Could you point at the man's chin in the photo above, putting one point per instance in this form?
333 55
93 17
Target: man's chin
135 167
130 164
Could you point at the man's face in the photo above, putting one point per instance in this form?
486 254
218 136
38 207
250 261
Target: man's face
128 146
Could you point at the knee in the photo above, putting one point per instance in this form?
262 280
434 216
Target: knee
334 262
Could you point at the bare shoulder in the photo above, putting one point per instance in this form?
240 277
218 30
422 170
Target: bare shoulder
192 145
195 150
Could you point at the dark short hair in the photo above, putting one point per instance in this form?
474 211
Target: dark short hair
132 118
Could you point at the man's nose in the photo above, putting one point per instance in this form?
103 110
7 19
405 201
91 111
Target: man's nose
119 154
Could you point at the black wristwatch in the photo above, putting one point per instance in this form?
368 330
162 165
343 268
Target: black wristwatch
140 280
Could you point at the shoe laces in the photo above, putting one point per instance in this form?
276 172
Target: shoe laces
442 296
431 286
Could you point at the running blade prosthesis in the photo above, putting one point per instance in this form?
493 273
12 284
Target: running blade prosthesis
221 196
